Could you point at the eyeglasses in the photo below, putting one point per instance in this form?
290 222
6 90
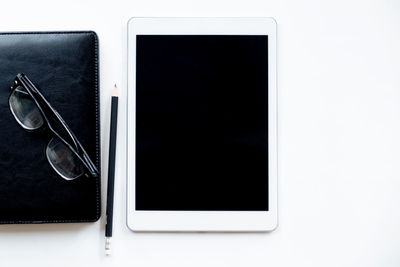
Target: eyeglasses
35 114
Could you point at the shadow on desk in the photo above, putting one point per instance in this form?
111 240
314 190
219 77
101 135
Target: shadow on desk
43 228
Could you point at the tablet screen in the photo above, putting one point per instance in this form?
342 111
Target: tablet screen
202 122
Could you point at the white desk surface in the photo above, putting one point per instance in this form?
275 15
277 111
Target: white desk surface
339 139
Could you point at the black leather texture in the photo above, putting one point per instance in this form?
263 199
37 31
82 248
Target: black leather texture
64 67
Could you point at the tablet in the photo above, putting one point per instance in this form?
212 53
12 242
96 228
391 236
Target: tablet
202 124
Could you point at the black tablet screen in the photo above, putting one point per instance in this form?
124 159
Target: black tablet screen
202 122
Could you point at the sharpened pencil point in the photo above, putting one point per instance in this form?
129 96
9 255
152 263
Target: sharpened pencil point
115 91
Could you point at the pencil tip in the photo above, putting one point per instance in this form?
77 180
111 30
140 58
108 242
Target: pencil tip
115 91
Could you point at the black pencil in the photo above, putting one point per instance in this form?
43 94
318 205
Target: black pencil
111 169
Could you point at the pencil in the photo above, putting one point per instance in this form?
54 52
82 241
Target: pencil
111 169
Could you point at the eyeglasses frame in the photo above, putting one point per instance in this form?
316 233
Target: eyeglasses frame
78 150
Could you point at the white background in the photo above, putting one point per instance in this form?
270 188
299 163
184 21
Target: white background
339 139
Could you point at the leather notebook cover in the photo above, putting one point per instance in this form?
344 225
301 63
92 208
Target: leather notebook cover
64 67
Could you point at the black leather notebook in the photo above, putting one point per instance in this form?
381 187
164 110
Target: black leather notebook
64 67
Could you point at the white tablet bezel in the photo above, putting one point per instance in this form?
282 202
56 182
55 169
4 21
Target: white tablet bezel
202 220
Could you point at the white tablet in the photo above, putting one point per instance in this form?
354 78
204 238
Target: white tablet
202 124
